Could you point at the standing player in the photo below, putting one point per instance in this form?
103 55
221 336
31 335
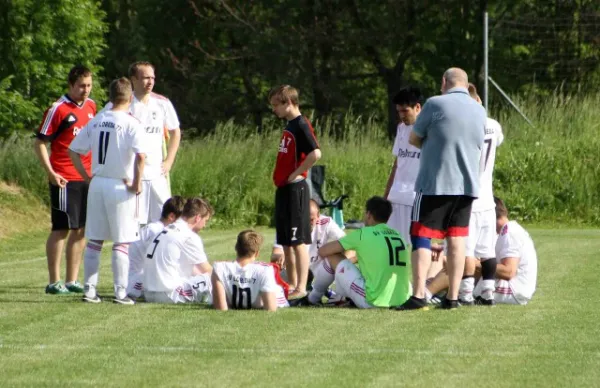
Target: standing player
482 226
246 283
400 189
298 152
116 140
68 192
176 269
156 113
171 211
381 278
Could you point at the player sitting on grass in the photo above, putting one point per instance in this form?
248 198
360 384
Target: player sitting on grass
176 269
171 211
383 277
246 283
516 268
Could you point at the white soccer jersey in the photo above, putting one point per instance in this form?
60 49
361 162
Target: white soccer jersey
243 285
514 241
407 167
170 257
114 138
493 138
326 230
137 250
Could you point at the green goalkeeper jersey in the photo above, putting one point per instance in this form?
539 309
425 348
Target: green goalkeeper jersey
383 261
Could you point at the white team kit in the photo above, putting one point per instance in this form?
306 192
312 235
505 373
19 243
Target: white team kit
168 267
514 241
137 254
114 137
243 285
482 225
156 115
402 192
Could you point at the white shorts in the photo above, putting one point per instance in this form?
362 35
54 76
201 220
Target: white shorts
504 293
111 212
400 220
154 194
481 242
196 289
350 283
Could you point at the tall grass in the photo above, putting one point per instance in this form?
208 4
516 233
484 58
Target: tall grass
546 173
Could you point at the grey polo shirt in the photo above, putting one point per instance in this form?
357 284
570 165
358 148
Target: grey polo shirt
452 127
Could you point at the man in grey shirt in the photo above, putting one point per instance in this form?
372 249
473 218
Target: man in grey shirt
450 132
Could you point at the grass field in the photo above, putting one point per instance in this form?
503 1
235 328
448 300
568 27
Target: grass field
49 340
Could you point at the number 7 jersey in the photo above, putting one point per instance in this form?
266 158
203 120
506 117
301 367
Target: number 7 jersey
493 138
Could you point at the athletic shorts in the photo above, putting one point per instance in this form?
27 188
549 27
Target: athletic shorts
196 289
400 220
69 205
350 283
154 194
111 212
481 242
441 216
504 293
292 214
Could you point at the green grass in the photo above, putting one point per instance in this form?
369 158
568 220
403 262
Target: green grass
49 340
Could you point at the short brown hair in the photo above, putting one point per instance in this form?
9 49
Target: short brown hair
501 210
283 93
119 91
78 71
472 91
134 67
173 205
197 206
248 243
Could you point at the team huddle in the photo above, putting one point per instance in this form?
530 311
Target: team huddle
109 172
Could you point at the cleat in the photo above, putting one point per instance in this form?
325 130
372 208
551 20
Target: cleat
463 302
75 287
413 303
449 304
484 302
435 300
88 299
57 289
126 301
301 302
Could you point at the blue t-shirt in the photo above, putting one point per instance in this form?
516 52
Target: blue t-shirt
452 127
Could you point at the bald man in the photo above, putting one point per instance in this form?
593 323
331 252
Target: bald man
450 132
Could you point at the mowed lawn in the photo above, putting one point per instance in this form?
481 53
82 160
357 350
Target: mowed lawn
51 340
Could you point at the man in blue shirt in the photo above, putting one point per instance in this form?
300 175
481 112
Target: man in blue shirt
450 132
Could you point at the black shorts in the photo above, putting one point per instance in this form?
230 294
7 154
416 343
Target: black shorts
440 216
292 214
69 205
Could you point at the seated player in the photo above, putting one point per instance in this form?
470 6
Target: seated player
323 230
383 277
176 269
171 211
246 283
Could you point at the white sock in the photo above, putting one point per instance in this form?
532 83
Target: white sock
465 292
120 268
487 289
91 265
135 284
323 278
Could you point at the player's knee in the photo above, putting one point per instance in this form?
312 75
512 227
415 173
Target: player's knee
420 242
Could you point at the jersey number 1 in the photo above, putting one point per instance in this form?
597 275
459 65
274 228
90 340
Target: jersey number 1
156 241
395 246
238 297
103 146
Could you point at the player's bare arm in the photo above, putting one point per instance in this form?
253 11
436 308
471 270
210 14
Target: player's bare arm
415 140
76 159
201 268
136 185
506 269
174 140
331 248
310 160
219 298
41 151
269 301
390 181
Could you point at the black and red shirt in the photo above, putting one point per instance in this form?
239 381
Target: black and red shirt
297 141
61 123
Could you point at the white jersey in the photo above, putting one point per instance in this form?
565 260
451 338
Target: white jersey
171 256
137 249
407 167
114 138
493 138
326 230
243 285
514 241
156 115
